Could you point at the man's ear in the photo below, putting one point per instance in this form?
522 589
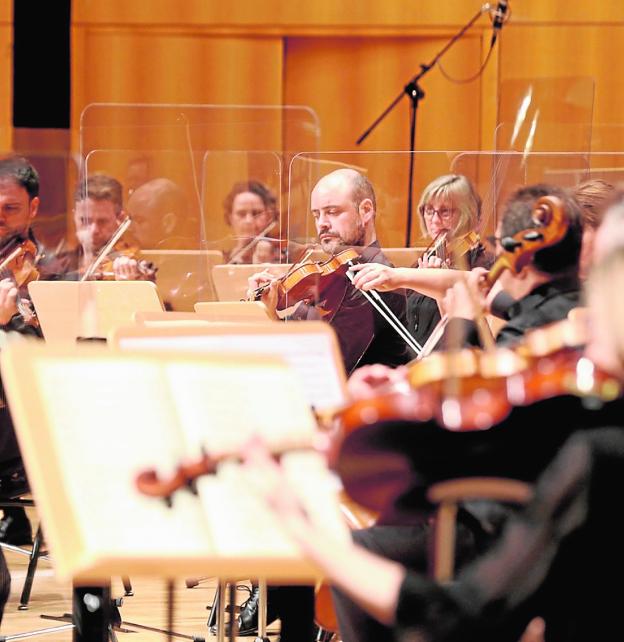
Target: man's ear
169 222
366 211
34 208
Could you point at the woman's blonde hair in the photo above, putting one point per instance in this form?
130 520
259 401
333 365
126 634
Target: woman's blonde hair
461 194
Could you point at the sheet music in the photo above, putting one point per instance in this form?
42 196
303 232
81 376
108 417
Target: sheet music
309 355
238 517
106 418
110 435
222 405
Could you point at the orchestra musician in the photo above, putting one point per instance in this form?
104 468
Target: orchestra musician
553 557
449 208
19 204
344 207
161 216
546 289
593 196
250 210
98 212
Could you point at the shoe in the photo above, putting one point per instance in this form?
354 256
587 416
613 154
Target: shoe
15 528
247 619
13 485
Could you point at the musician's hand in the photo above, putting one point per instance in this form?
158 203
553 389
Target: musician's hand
375 276
291 504
463 299
365 382
126 269
431 262
8 301
270 295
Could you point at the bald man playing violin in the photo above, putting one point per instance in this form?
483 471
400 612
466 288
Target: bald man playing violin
343 205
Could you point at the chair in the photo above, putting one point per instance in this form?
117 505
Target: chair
447 495
13 498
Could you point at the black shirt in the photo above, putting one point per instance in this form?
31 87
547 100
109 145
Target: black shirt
364 336
548 302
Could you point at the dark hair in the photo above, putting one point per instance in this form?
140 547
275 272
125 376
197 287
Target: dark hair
20 170
255 187
361 189
562 257
593 196
100 187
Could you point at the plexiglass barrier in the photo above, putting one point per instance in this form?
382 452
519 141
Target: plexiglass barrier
187 233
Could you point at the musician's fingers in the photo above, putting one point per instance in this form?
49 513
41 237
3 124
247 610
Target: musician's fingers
359 273
258 280
365 381
125 268
433 262
8 301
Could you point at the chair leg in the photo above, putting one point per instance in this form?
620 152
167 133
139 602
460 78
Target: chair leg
128 592
214 609
30 574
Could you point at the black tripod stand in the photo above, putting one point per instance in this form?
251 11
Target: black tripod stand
415 93
96 617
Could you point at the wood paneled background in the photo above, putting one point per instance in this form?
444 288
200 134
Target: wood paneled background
347 59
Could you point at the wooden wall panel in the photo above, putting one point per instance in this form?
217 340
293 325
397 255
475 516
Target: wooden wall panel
350 81
300 15
142 66
348 60
568 51
6 73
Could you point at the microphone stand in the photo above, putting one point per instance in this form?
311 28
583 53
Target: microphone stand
416 94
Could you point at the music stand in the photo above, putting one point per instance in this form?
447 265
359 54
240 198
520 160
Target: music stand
69 310
175 407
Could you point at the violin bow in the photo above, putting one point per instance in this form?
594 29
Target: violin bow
253 242
107 248
376 300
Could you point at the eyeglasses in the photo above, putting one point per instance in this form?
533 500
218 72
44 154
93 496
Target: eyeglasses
444 213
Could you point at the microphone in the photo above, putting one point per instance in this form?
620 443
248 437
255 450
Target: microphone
499 19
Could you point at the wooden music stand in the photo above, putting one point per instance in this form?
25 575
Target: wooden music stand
89 419
311 349
230 281
241 311
184 276
68 310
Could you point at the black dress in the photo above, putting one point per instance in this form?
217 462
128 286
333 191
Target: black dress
423 313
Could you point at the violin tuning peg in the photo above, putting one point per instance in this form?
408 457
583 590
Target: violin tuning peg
510 244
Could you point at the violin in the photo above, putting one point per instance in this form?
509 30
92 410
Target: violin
150 483
308 280
101 268
146 269
18 263
451 250
388 434
518 251
19 257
